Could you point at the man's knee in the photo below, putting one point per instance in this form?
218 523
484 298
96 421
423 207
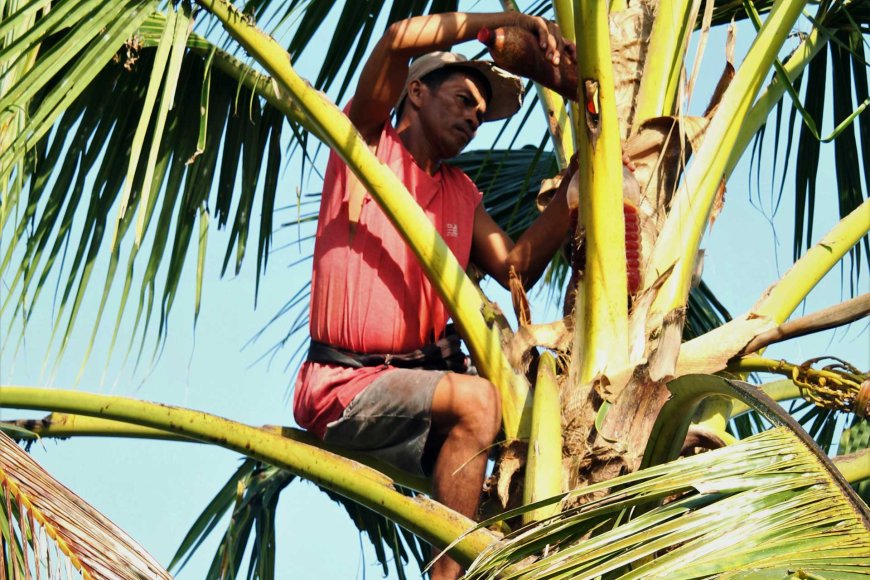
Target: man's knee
470 401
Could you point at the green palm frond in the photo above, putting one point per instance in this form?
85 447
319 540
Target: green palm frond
847 66
356 24
391 542
77 146
821 424
772 504
841 69
254 494
45 527
704 312
764 506
251 498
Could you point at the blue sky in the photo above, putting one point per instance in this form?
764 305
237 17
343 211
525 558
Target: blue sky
154 490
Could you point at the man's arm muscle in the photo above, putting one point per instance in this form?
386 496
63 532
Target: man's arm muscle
494 251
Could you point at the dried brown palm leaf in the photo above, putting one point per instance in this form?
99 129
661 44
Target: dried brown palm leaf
629 34
40 517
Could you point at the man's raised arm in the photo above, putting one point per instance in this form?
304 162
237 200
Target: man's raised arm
384 74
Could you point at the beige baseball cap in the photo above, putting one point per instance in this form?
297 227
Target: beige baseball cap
507 89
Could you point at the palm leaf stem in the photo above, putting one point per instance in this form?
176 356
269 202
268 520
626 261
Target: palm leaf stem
795 285
810 415
757 364
601 325
825 319
563 10
806 51
681 235
438 262
855 467
782 390
777 304
428 519
63 425
544 460
668 41
779 391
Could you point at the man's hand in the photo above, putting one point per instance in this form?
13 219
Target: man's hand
550 38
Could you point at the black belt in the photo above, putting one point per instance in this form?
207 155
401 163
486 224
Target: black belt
444 355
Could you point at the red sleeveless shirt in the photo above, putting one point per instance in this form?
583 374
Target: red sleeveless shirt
368 293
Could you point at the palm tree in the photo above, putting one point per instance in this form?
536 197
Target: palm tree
186 114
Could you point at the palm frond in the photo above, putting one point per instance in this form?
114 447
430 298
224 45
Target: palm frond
704 312
358 23
725 11
753 506
254 497
76 146
43 524
845 93
821 424
251 496
391 542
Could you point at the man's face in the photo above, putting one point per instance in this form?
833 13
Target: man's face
452 113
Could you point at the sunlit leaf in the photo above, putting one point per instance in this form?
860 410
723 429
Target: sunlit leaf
38 516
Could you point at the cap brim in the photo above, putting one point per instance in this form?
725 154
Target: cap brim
507 89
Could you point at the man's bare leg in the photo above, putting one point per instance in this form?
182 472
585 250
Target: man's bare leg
466 412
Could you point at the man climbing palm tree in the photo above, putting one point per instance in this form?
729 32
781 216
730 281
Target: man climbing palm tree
377 377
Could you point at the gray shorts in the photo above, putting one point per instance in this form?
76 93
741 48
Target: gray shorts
390 419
